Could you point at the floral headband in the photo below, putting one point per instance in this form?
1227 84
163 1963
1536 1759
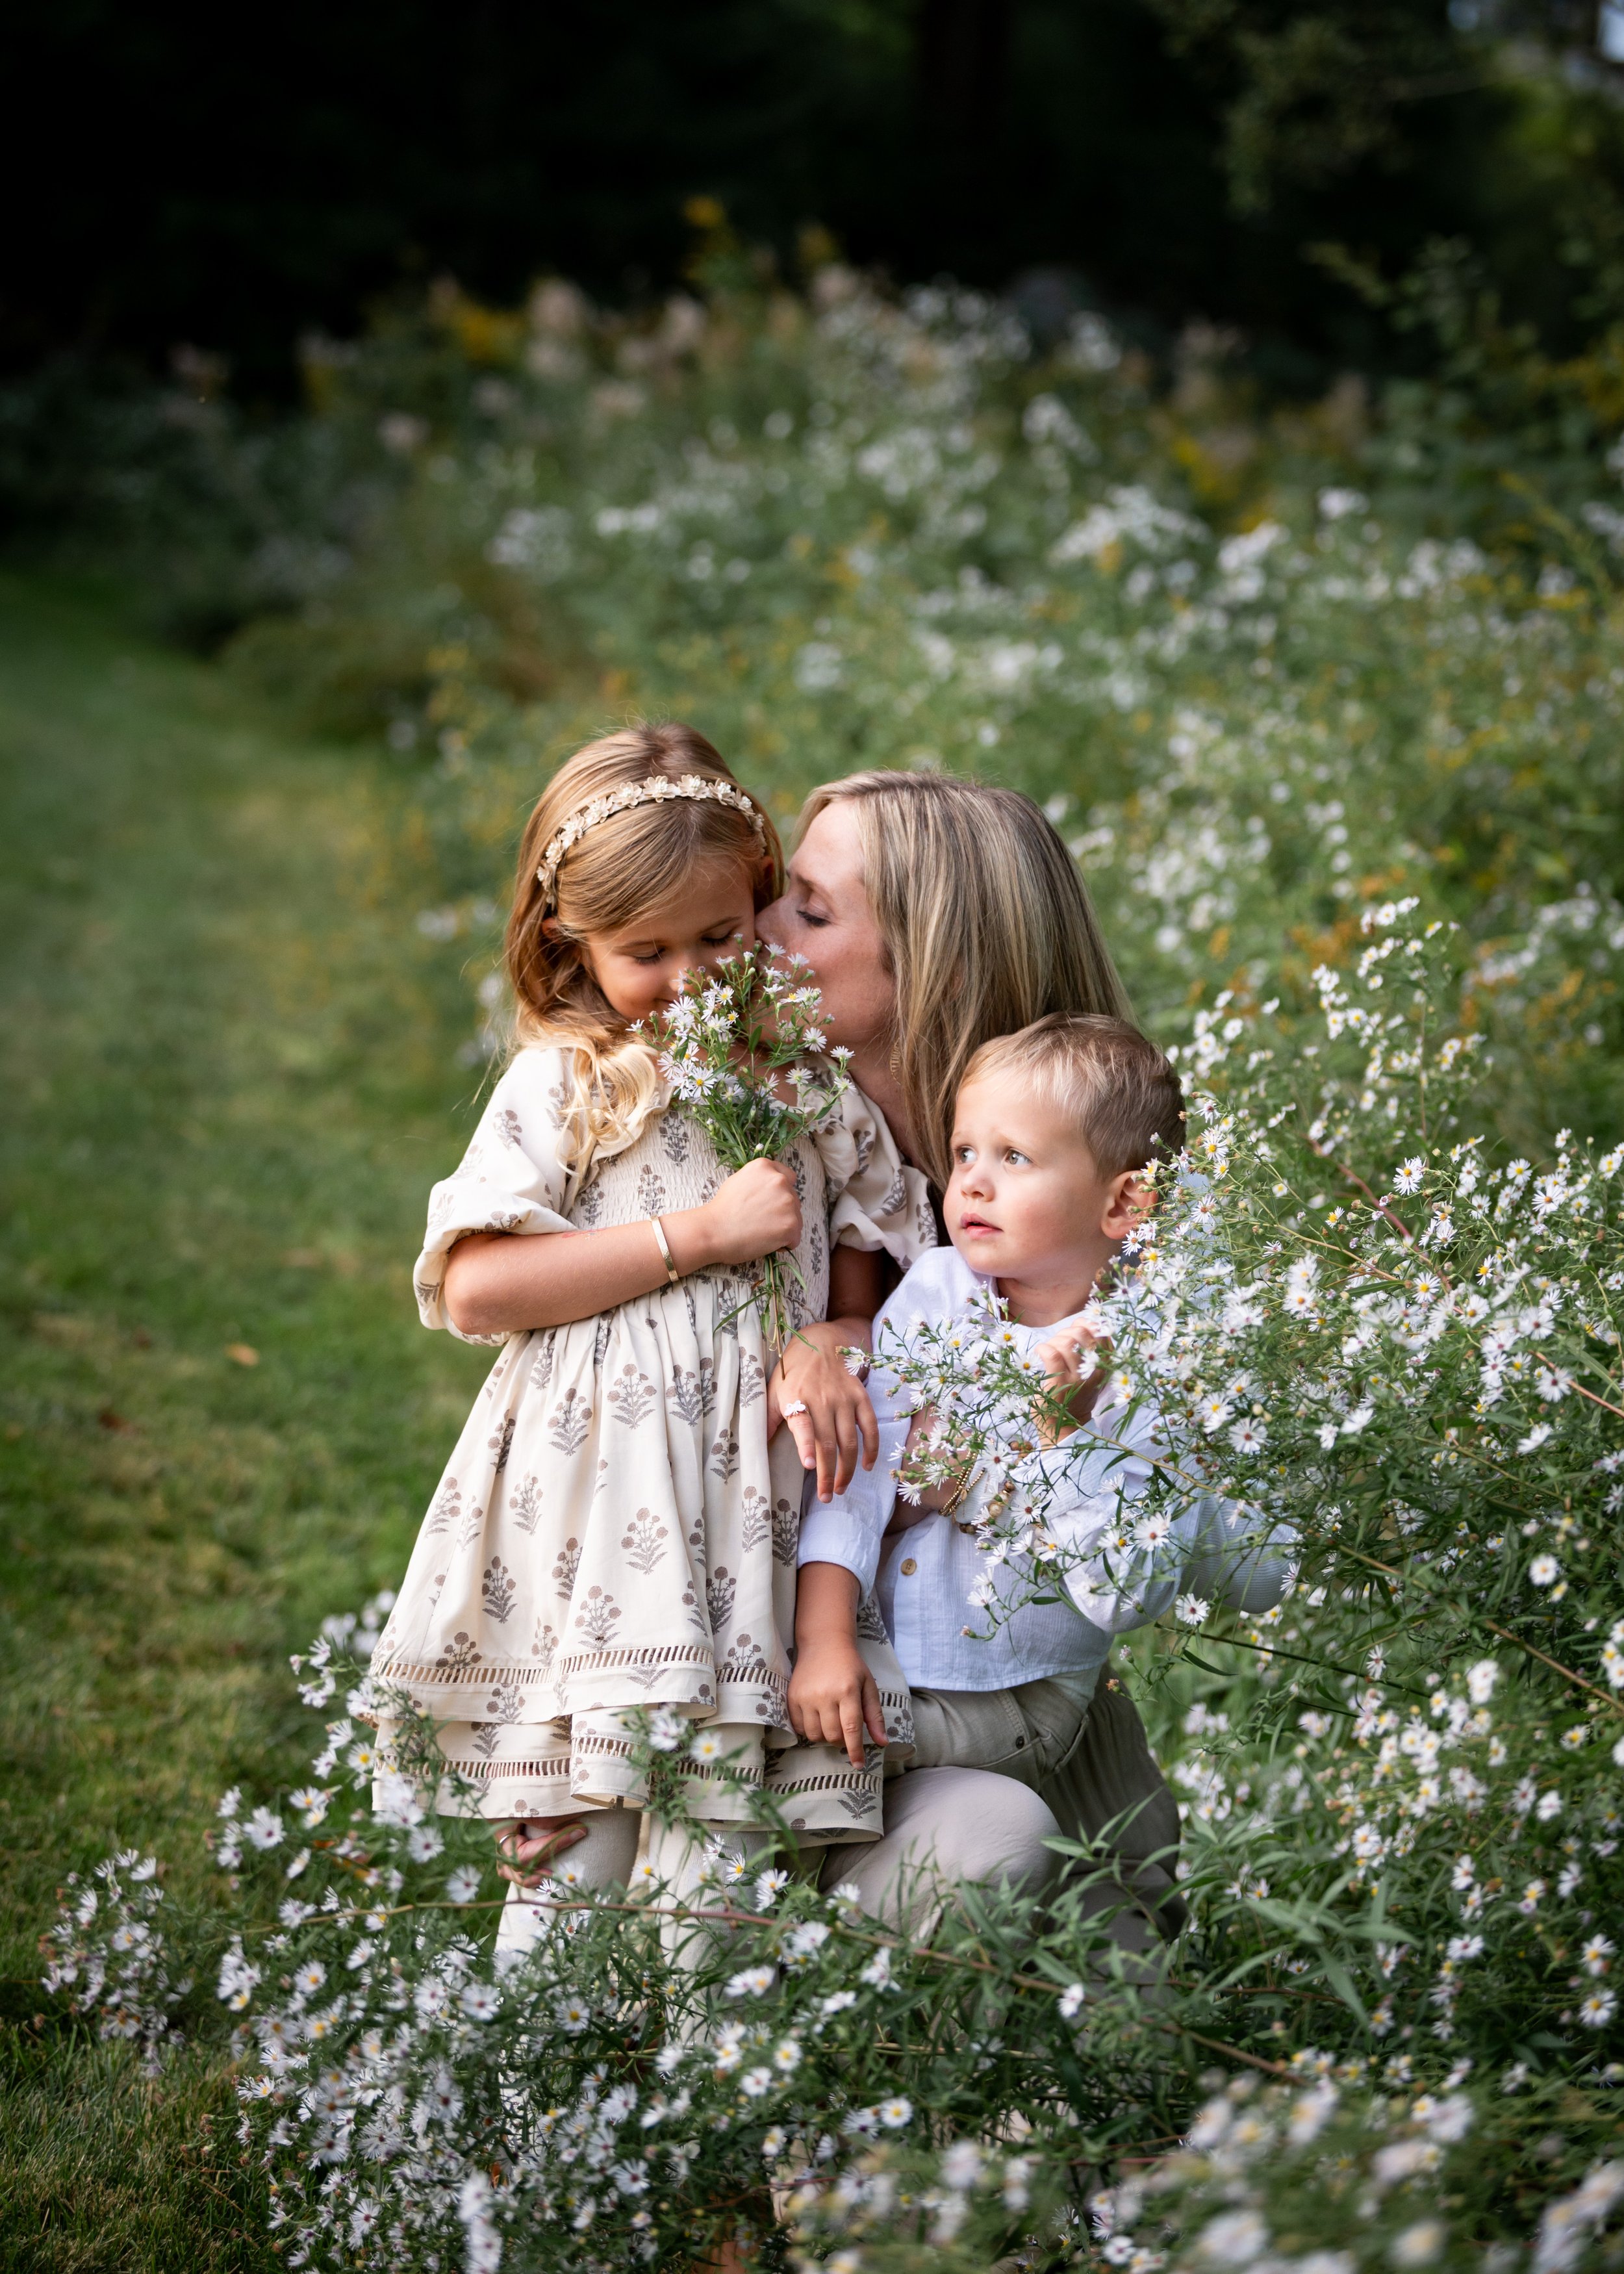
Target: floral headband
655 791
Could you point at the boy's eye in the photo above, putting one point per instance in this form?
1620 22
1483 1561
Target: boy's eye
1011 1153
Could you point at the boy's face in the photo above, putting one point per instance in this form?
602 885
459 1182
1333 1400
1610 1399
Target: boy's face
1026 1201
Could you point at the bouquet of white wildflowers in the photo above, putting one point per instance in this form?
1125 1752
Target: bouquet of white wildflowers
744 1051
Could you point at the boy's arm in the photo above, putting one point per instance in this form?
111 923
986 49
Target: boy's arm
833 1696
1239 1559
1210 1547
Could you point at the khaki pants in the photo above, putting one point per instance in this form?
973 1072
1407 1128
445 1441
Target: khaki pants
1078 1747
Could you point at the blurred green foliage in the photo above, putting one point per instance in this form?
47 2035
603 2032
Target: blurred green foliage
1262 666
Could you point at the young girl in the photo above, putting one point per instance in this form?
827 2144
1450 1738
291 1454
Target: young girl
614 1529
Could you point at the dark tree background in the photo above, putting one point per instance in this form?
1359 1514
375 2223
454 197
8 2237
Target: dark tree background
181 173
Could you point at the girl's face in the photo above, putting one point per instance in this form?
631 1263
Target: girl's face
825 915
641 968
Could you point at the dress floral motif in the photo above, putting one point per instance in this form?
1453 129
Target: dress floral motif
612 1530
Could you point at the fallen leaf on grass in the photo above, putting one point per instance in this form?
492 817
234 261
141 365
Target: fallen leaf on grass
109 1418
242 1354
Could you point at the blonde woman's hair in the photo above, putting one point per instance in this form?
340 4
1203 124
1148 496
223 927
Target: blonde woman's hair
616 870
1112 1083
986 927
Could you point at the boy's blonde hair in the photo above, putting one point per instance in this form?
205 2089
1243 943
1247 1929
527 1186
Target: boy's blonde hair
618 867
986 922
1110 1080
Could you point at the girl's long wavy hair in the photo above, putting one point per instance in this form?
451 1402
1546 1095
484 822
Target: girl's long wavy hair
616 869
987 926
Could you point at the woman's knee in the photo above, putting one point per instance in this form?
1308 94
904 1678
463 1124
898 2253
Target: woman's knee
985 1828
946 1825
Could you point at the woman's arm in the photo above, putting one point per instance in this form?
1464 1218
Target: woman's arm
812 1373
497 1284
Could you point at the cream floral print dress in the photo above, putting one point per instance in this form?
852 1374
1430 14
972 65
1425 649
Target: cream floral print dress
612 1530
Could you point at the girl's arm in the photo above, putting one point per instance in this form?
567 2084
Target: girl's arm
838 1417
499 1283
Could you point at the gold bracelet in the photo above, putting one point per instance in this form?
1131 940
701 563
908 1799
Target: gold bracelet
673 1276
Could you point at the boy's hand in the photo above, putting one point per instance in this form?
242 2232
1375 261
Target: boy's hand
1073 1373
833 1699
836 1421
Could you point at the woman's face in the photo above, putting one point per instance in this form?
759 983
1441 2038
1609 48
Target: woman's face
825 915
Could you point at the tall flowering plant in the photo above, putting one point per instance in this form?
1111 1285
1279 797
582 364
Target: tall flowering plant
1391 2038
743 1048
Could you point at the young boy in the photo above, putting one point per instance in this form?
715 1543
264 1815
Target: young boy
1053 1128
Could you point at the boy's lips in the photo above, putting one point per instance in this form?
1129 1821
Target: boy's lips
974 1223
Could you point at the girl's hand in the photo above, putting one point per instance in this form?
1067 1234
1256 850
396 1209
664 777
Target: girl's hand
534 1843
755 1212
1074 1373
833 1699
836 1417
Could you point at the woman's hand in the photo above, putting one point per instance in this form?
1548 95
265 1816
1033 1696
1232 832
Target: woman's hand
1073 1373
827 1411
755 1212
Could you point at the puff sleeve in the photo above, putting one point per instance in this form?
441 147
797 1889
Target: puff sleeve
511 1178
875 1200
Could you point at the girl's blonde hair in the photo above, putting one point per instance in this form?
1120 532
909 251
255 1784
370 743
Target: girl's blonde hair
619 867
986 927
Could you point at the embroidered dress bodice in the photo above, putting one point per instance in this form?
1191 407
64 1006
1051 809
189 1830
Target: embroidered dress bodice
613 1529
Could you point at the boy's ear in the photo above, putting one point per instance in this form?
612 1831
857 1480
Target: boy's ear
1128 1200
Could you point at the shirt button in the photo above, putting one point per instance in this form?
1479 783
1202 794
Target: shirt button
909 1567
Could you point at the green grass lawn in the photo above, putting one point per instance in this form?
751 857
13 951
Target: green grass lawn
229 1077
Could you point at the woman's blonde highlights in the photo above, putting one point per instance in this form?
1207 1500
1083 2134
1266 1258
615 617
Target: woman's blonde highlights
987 925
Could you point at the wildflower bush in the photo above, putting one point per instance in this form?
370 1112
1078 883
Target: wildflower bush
1389 2036
1327 703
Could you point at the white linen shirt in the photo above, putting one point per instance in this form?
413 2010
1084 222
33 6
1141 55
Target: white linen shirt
923 1577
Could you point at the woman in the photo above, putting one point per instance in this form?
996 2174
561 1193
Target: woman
937 914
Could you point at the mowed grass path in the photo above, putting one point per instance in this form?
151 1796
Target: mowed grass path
229 1077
